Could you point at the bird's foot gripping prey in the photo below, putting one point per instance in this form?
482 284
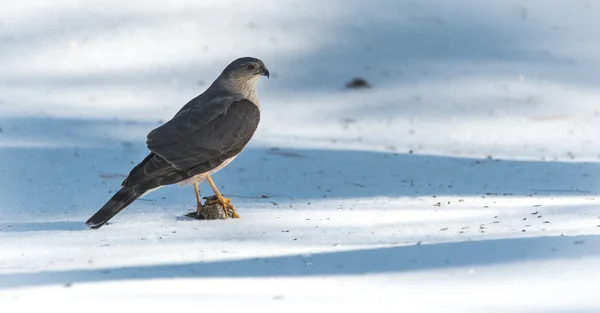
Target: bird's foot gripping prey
224 202
215 207
209 132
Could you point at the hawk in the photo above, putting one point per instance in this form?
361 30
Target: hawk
209 132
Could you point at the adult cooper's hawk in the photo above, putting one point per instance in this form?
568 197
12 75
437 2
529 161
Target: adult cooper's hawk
202 138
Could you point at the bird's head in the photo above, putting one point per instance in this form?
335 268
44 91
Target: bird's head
241 76
246 68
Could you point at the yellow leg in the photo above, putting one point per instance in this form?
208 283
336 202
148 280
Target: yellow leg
198 203
225 202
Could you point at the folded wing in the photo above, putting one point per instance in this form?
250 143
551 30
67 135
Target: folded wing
201 138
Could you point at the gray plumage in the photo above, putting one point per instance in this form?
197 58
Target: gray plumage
203 137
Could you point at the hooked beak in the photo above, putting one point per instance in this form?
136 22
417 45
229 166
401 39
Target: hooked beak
265 72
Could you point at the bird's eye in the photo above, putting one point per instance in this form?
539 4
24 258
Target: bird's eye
251 66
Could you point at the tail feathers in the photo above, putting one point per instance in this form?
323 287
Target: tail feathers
116 204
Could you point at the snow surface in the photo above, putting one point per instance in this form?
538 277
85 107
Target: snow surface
464 180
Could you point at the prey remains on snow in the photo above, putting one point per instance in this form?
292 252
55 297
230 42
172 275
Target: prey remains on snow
212 210
202 138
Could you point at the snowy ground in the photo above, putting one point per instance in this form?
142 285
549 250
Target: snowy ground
465 180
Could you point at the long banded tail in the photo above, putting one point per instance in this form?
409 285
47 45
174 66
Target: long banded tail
116 204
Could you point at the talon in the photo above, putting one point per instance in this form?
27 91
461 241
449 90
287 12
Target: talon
218 198
226 212
233 212
226 204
